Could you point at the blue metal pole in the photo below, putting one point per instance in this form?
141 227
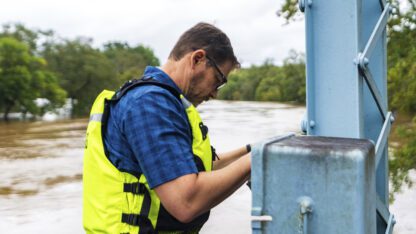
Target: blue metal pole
346 79
334 89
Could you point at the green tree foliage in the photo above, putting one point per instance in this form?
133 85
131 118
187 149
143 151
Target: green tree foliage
270 87
289 10
268 82
402 59
23 78
404 158
22 34
129 62
82 70
402 88
243 83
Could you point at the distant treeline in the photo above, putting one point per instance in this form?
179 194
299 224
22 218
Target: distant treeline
268 82
39 64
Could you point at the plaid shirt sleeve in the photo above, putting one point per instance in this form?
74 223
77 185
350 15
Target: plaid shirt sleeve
157 129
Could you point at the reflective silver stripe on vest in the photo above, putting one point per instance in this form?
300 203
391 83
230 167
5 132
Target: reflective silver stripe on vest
185 102
96 117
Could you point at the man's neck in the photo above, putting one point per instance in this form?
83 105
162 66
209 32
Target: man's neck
176 72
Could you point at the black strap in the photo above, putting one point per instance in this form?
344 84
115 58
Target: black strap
146 227
142 220
135 188
138 220
143 81
214 154
199 163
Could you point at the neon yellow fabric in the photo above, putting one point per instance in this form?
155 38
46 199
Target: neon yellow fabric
200 147
104 200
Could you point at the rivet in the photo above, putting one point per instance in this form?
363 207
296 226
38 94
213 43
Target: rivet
311 124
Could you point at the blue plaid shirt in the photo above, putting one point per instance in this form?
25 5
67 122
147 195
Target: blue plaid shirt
148 132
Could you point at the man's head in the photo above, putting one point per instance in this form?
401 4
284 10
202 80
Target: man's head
205 57
207 37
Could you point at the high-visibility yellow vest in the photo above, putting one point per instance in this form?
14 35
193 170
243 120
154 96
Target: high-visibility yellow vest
119 202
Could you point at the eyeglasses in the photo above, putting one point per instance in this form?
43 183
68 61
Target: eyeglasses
223 80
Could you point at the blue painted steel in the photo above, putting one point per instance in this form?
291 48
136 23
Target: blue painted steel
334 90
382 3
373 121
390 225
382 139
375 36
346 97
315 185
382 209
363 60
258 186
305 209
340 38
374 91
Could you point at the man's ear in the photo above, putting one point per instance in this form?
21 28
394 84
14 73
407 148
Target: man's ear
197 57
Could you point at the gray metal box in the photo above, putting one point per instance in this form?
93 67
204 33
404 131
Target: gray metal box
332 178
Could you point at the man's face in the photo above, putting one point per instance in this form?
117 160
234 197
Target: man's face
203 85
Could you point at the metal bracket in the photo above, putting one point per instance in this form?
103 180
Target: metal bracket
362 59
302 4
382 138
368 77
383 211
382 4
390 224
304 125
262 218
375 35
305 209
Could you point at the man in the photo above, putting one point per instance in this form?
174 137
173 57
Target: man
148 163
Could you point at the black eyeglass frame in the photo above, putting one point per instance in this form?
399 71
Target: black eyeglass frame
223 79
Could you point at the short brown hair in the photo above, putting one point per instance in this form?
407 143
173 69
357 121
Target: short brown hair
209 38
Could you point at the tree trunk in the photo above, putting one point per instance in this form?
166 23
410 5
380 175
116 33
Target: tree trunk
72 107
24 114
8 107
6 112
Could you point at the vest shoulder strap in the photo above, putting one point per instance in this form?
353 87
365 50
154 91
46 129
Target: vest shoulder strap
129 85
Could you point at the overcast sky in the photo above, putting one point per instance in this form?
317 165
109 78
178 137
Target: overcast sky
252 25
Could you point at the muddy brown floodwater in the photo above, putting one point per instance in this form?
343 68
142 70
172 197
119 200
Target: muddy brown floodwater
41 169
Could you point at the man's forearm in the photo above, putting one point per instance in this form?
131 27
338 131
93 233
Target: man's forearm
216 186
191 195
229 157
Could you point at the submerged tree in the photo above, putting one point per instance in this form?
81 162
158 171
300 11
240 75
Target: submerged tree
76 66
24 78
82 70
